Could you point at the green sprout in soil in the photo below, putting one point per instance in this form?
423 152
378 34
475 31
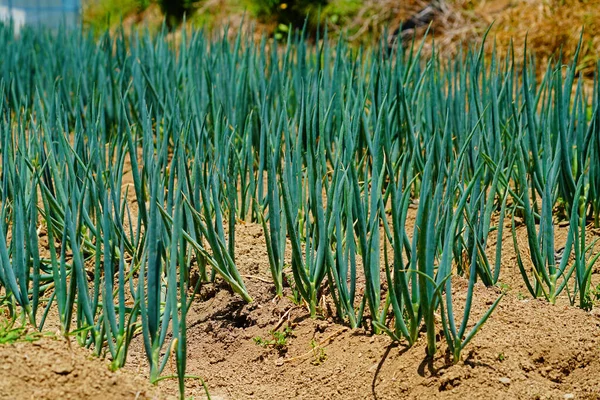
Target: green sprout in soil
278 340
319 355
295 297
592 298
9 333
504 287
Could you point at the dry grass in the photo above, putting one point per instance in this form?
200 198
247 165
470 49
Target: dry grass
550 26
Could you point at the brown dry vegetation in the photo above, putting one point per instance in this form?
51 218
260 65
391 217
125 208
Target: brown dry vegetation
550 26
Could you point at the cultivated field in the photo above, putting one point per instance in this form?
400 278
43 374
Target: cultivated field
301 219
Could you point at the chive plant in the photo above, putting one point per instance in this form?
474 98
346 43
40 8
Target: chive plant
128 163
584 258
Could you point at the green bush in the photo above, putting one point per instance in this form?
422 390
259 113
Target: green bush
100 15
292 12
339 12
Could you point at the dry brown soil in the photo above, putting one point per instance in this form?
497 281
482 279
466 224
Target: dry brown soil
56 369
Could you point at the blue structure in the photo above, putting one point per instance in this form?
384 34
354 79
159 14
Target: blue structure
49 13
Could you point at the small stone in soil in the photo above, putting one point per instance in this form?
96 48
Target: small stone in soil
504 380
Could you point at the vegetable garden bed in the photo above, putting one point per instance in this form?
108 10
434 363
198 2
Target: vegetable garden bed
303 221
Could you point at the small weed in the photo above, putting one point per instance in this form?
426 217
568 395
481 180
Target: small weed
319 355
9 333
501 357
296 298
278 340
587 303
595 293
520 296
504 287
592 298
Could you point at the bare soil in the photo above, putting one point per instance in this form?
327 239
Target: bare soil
56 369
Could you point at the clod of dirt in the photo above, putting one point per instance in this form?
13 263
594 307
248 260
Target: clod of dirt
62 368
